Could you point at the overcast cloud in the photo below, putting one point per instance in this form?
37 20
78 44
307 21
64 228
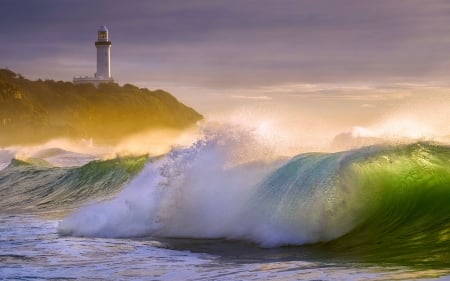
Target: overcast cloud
225 44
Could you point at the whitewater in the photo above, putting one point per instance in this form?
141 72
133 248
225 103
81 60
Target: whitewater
229 204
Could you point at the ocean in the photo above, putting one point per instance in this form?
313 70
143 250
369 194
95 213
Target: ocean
215 211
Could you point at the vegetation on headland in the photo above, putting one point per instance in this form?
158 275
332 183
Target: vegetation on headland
36 111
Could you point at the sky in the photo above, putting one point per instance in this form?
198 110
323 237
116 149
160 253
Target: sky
349 58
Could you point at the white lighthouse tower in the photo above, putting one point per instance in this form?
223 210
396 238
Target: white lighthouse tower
103 74
103 54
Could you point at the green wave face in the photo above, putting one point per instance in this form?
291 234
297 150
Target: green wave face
382 204
407 218
27 187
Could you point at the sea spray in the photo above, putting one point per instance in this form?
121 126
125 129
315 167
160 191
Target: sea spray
224 186
199 191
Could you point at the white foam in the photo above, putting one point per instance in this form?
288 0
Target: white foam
192 192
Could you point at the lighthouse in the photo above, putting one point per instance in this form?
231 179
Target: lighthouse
103 74
103 46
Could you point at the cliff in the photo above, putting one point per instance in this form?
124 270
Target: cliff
35 111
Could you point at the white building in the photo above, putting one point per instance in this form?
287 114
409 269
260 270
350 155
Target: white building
103 74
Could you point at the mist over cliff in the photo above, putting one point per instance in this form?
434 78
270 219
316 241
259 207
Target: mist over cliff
36 111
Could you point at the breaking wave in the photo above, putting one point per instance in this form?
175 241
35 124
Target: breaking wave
381 202
389 197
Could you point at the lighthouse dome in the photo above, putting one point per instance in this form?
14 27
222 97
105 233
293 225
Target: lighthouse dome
103 28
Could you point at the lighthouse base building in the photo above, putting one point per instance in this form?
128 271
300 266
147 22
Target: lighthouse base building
103 74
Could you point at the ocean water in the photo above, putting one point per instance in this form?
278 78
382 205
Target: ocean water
227 209
32 250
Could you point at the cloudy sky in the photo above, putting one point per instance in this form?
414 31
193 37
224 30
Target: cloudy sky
220 53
